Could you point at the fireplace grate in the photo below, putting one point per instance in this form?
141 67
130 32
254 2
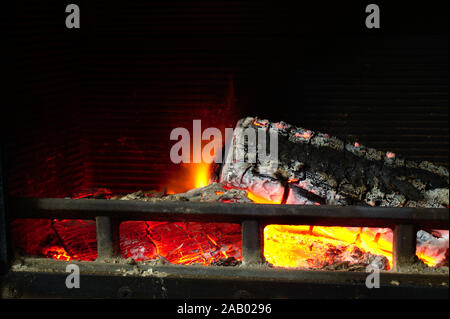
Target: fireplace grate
253 279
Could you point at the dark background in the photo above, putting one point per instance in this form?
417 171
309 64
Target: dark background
94 107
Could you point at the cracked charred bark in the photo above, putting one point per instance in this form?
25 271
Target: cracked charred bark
315 168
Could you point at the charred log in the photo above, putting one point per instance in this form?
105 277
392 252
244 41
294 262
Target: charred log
315 168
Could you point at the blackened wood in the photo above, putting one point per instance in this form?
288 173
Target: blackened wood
252 242
404 246
108 238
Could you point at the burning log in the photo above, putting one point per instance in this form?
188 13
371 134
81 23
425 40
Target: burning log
315 168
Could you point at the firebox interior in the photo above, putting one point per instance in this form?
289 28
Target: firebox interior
90 113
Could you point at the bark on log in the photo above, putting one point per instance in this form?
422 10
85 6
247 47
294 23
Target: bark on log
315 168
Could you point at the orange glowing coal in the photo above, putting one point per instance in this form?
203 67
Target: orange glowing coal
56 252
310 246
316 246
260 200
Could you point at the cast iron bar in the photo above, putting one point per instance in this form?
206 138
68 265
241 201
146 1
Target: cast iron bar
252 242
108 238
404 246
59 208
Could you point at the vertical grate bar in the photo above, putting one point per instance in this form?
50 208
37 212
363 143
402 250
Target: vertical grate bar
252 242
404 246
108 238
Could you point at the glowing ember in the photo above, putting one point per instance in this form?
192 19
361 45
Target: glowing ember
428 260
260 200
56 252
390 155
316 246
260 123
212 243
305 135
181 243
310 246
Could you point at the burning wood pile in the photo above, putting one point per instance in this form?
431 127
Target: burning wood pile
311 168
314 168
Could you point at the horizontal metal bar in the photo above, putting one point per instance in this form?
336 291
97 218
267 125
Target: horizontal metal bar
31 279
228 212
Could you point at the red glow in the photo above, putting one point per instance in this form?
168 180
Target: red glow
305 135
56 252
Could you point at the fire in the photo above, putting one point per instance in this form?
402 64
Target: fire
310 246
192 243
190 176
56 252
201 173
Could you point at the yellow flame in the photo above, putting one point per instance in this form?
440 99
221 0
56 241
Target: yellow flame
201 174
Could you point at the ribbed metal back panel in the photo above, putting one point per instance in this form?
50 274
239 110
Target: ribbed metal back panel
43 147
389 93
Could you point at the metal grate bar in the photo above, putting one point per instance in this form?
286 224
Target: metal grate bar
253 218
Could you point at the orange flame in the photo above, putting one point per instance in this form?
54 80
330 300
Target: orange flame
191 176
201 173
